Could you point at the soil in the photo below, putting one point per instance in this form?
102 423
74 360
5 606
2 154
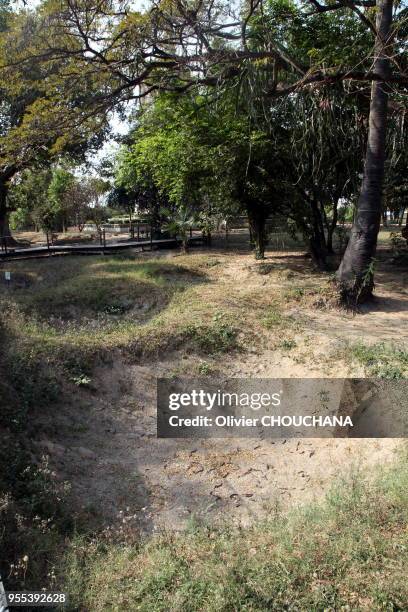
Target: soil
104 442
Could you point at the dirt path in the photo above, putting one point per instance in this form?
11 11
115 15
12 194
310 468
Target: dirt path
105 443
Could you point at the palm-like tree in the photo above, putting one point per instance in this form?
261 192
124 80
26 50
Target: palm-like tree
179 224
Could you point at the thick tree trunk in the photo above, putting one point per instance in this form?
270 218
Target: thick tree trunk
257 223
355 274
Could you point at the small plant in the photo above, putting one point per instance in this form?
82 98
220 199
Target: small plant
398 243
272 319
218 337
179 223
81 380
367 282
114 309
204 368
296 293
399 247
288 344
264 268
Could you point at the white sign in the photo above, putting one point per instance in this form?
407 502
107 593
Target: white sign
7 276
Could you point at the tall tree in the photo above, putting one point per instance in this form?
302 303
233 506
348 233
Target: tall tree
355 274
182 45
41 117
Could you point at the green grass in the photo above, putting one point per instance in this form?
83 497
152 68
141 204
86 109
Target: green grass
381 360
348 553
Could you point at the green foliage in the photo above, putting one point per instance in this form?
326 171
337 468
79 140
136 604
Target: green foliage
179 223
382 360
287 344
399 247
274 318
29 197
33 382
204 368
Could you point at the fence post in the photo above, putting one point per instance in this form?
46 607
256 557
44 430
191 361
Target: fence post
48 241
226 233
151 237
138 231
104 238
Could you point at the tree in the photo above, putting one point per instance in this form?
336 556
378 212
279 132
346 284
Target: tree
355 274
122 200
41 116
190 155
279 46
60 194
28 197
181 46
179 223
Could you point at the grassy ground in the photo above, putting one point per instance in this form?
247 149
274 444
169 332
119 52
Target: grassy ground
349 553
62 316
92 305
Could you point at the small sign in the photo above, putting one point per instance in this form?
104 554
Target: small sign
7 276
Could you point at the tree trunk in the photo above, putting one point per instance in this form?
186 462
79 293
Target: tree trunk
355 274
5 233
331 228
384 218
317 240
257 223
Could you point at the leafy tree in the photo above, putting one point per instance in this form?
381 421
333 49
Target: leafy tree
41 115
122 200
181 46
60 195
28 197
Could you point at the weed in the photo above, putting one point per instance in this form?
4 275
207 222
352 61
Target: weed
204 368
272 319
217 337
287 344
264 268
381 360
81 380
295 293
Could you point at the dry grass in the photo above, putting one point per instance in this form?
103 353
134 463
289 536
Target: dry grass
93 306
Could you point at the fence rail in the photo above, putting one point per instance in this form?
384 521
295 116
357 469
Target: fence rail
102 247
